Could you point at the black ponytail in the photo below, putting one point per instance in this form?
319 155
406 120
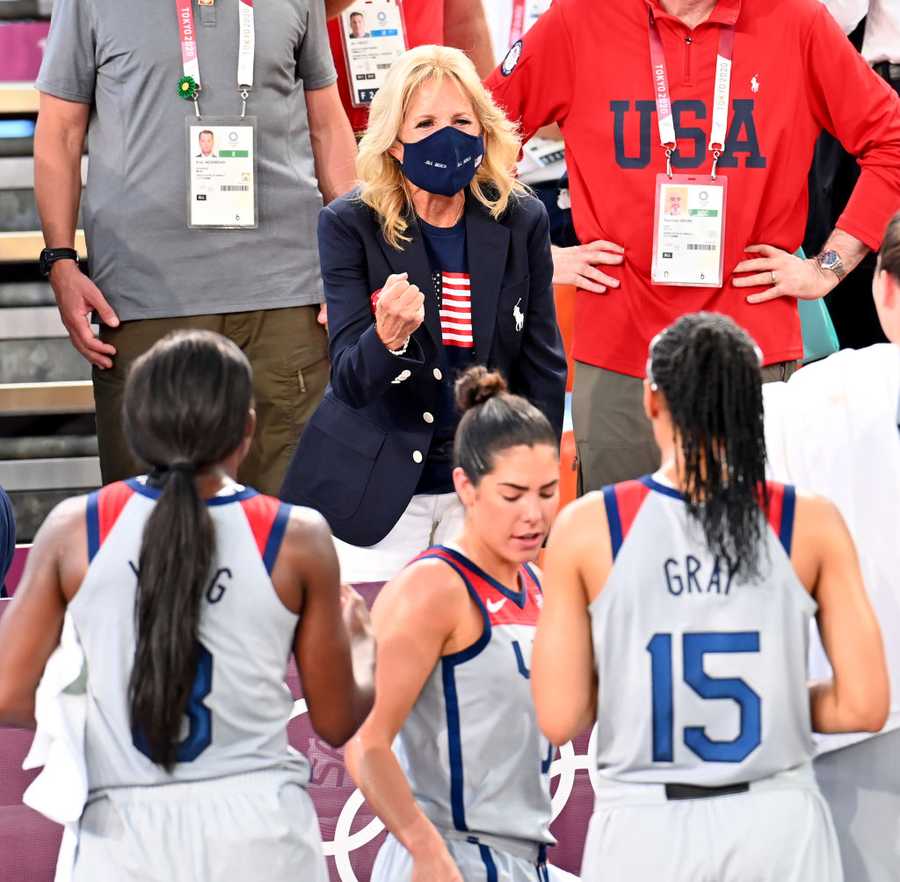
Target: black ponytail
493 421
708 370
186 408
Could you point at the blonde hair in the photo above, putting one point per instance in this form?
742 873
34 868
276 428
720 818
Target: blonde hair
383 185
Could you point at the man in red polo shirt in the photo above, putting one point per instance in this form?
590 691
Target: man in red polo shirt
459 23
757 81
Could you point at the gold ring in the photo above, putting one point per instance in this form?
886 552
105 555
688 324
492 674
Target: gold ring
774 280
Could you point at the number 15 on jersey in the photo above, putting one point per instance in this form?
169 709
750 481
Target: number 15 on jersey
694 647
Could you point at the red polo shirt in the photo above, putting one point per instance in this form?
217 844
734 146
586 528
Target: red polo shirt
586 65
424 24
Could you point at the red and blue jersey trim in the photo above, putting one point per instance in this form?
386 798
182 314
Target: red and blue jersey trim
782 507
268 519
103 509
151 492
623 502
485 588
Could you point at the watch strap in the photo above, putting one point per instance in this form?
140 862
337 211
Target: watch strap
49 256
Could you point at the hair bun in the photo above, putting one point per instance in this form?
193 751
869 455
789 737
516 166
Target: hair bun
476 386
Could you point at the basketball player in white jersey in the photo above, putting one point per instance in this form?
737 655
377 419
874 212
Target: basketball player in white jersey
466 796
187 592
677 613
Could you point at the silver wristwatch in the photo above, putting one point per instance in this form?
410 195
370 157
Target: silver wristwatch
831 260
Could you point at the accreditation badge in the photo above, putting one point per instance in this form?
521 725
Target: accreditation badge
689 230
540 153
221 173
534 9
373 38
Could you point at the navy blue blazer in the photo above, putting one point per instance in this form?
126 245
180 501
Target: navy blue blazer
359 459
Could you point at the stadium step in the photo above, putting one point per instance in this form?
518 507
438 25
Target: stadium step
18 98
43 447
70 396
49 473
27 292
18 246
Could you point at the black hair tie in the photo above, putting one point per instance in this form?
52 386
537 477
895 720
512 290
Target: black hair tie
161 472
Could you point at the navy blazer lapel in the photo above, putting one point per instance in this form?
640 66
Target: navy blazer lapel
413 259
487 243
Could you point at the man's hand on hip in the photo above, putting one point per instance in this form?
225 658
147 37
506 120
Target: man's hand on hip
77 297
576 265
786 275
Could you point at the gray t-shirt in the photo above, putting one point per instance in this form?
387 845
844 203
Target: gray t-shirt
124 58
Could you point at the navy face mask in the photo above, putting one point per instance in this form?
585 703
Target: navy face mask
445 162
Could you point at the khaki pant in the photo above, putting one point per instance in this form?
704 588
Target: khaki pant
288 351
612 435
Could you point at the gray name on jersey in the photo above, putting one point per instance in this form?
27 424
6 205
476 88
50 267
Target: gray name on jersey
216 590
694 578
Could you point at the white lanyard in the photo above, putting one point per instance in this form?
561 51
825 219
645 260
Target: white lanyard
189 86
721 94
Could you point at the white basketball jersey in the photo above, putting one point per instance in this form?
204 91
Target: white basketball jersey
238 711
702 673
471 748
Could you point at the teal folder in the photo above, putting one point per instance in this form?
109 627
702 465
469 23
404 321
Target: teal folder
819 336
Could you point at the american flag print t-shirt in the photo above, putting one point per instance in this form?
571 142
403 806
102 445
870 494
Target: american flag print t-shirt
451 298
456 309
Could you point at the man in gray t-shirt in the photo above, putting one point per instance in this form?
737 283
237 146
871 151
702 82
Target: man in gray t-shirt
112 70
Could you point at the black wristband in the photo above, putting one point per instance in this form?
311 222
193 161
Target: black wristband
49 256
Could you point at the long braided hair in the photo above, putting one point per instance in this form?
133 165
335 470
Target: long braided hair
708 371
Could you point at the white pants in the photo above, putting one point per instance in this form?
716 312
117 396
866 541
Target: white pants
429 519
257 827
476 863
762 835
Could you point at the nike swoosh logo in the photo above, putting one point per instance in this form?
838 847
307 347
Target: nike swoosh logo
495 606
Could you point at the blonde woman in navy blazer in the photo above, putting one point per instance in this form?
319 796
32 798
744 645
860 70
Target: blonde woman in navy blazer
439 260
